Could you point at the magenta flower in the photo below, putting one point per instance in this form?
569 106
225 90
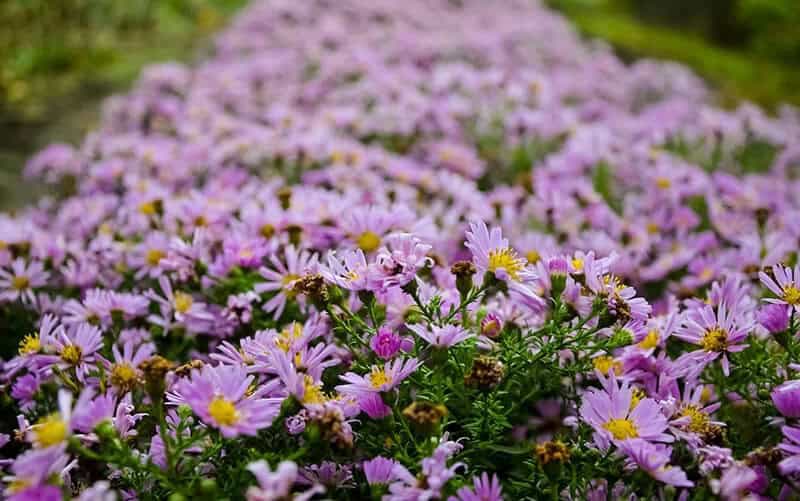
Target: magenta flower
774 317
281 276
441 337
33 470
379 470
654 460
386 343
791 446
76 348
785 285
380 379
223 397
491 253
615 416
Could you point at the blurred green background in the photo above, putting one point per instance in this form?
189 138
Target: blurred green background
60 58
746 49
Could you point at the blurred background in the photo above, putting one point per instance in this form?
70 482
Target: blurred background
60 58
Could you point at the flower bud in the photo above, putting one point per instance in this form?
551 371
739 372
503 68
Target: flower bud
464 271
786 398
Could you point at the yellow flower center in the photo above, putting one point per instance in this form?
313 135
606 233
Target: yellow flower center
791 295
20 282
378 378
154 256
288 335
71 354
312 392
663 183
605 363
505 259
621 429
183 302
698 420
123 376
30 344
351 276
577 263
148 208
652 228
50 430
715 339
368 241
287 282
267 230
223 411
533 256
650 341
18 485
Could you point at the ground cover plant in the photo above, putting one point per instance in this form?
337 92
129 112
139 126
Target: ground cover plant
407 250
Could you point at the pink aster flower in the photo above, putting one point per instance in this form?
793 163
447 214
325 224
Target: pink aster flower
616 417
791 446
654 460
281 276
178 308
349 272
786 398
717 333
785 285
484 489
441 337
33 470
379 470
76 348
21 280
222 396
491 253
387 343
380 379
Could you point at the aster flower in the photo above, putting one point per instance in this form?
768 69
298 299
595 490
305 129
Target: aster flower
717 332
380 379
654 460
616 417
20 281
791 446
441 337
222 397
349 272
277 484
491 253
786 398
484 489
387 343
434 475
32 472
178 308
774 317
76 348
124 372
785 285
379 470
281 277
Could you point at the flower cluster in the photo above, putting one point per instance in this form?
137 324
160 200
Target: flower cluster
412 250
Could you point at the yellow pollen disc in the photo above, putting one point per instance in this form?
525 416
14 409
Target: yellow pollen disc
50 430
267 230
123 375
698 420
368 241
378 377
663 183
148 208
533 256
351 276
650 341
715 339
200 221
183 302
707 274
20 282
621 429
223 411
30 344
506 259
18 485
312 392
288 279
577 263
605 363
791 295
154 256
652 228
71 354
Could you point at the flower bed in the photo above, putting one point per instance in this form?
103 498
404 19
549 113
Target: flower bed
411 250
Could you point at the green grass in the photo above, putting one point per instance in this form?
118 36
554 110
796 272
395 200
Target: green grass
735 75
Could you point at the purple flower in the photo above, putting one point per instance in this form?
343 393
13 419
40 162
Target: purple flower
615 417
484 489
32 470
491 253
19 282
386 343
491 325
373 406
786 398
281 277
277 484
441 337
654 459
379 470
223 397
717 333
380 379
791 446
785 285
774 317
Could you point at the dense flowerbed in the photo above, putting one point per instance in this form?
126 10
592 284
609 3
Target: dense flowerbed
416 249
